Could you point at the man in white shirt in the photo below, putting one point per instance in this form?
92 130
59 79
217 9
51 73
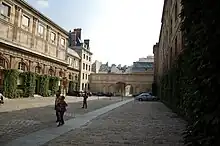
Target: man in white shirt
1 98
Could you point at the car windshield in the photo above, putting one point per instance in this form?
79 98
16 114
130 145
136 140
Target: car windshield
144 94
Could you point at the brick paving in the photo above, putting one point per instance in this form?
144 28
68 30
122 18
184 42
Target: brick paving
19 123
134 124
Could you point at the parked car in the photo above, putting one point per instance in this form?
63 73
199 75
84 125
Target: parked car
74 93
109 94
146 97
100 94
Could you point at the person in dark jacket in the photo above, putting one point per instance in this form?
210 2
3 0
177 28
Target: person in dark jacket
61 108
1 98
85 100
55 107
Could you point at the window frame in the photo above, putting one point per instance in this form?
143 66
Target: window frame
40 25
54 38
62 40
2 12
22 20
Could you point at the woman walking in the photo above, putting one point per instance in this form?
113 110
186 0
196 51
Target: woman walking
61 108
55 108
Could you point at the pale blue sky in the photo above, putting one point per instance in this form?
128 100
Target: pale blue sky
120 31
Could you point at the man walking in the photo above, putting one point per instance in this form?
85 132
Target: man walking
85 96
1 98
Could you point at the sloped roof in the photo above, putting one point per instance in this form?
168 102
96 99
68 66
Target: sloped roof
73 52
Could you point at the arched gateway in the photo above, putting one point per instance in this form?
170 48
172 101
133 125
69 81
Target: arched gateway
121 84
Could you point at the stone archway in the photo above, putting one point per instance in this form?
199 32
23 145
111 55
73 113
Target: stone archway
3 65
111 88
120 88
129 90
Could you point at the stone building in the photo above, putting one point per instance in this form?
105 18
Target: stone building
83 49
143 64
121 84
29 41
170 40
74 61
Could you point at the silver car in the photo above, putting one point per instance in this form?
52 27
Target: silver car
146 97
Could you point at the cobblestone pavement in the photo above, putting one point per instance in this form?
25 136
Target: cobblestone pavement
34 102
134 124
22 122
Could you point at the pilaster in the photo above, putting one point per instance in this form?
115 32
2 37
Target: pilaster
33 32
47 38
16 19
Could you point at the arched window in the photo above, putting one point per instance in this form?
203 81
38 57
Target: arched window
61 74
22 66
70 76
38 69
2 63
51 72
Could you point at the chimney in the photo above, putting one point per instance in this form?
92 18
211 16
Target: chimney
86 41
78 32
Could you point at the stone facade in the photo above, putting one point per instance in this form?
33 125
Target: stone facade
121 83
29 41
170 40
83 49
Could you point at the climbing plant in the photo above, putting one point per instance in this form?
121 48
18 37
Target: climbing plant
28 84
44 85
54 85
192 85
10 83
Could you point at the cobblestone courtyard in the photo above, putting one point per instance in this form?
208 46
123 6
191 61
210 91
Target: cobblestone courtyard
134 124
19 123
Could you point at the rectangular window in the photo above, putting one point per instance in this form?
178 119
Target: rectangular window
25 21
84 56
82 86
52 36
62 41
89 67
86 66
5 10
70 61
89 58
40 29
83 76
76 63
83 65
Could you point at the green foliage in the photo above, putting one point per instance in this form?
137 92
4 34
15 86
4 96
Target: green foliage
44 85
28 84
20 93
191 86
54 85
10 83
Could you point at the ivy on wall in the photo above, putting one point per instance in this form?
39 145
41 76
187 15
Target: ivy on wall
10 83
191 86
28 84
54 84
44 85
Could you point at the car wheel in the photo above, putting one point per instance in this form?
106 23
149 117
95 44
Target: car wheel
140 99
